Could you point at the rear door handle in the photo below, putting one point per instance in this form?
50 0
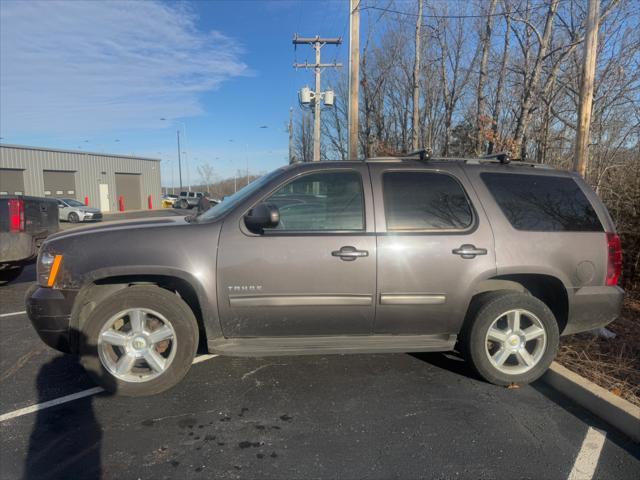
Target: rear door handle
349 253
469 251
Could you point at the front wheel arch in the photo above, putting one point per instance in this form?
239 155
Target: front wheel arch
104 286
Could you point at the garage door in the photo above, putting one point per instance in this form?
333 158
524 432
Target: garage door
128 186
59 184
11 181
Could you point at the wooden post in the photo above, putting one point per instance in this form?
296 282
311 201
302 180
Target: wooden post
415 121
354 76
586 89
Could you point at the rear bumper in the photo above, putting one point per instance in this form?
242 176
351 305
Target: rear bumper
17 247
50 313
593 307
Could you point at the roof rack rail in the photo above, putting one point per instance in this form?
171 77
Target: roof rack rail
423 153
502 157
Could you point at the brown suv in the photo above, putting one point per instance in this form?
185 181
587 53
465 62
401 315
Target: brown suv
495 259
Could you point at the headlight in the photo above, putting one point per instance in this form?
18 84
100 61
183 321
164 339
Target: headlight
48 267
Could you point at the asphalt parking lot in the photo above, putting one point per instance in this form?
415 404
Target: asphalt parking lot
343 416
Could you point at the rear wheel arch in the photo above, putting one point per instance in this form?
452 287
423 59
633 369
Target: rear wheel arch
547 288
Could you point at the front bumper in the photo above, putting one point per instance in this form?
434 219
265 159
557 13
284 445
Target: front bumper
593 307
90 217
50 313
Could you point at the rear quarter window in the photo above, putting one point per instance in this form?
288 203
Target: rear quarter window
542 203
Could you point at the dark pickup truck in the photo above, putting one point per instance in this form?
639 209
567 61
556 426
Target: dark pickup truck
24 224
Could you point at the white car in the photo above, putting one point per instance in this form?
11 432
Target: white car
74 211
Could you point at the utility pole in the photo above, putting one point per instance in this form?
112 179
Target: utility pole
179 161
586 88
317 42
354 76
291 159
247 151
415 121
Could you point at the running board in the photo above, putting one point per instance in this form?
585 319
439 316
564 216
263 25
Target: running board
268 346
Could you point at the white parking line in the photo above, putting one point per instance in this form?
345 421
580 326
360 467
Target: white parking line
12 314
587 460
74 396
50 403
202 358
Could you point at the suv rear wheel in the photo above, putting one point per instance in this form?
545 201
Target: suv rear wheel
511 338
139 341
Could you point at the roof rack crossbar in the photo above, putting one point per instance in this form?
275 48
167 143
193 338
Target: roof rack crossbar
423 153
502 157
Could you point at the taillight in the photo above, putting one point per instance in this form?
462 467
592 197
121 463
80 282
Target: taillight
16 215
614 259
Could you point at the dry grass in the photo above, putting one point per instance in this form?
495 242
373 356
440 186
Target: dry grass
614 363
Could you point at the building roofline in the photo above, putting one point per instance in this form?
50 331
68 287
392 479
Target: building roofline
99 154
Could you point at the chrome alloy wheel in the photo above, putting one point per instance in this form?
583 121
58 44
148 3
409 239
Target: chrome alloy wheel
137 345
515 342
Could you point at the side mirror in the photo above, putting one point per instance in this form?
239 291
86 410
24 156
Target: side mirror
263 215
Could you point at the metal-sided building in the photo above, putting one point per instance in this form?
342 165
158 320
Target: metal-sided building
100 177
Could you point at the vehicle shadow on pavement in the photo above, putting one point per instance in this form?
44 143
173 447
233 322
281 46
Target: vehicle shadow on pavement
28 275
66 440
450 361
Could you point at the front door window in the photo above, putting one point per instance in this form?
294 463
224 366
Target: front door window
331 201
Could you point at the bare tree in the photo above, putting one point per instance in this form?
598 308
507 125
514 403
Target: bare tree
303 138
207 175
482 75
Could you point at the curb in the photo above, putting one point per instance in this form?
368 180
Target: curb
614 410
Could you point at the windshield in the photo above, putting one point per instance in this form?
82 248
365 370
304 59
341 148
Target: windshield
73 203
231 201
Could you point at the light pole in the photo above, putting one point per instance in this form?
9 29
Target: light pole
247 153
179 161
179 157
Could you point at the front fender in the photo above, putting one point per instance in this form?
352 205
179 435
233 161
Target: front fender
102 276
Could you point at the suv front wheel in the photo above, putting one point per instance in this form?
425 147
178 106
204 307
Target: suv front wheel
511 339
139 341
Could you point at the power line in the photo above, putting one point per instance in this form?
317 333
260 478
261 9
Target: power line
479 15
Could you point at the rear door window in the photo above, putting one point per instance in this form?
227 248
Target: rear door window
425 201
542 203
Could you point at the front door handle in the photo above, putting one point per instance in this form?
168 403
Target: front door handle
469 251
349 253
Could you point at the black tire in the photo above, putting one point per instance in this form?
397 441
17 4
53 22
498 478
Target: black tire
10 274
168 304
483 313
73 217
184 205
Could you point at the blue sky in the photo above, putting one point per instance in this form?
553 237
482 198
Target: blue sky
99 76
